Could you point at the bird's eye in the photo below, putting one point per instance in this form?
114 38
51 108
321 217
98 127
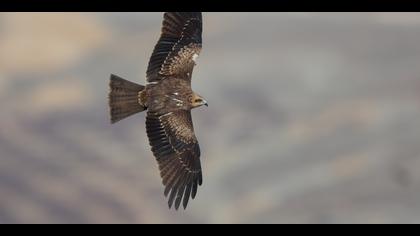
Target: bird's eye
198 100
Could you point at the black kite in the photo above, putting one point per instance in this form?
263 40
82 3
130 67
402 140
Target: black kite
168 99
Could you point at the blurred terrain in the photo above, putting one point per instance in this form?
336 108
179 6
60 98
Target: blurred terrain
313 118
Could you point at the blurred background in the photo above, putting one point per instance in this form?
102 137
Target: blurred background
313 118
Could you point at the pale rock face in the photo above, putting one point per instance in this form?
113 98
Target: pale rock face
38 42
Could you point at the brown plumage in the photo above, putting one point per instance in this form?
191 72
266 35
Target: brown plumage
168 99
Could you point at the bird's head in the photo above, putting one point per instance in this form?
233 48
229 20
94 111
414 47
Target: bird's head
198 101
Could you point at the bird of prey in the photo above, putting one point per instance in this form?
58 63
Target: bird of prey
168 99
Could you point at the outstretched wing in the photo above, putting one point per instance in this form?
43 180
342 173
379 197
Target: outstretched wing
177 152
178 46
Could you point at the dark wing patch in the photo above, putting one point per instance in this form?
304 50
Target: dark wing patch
178 154
180 40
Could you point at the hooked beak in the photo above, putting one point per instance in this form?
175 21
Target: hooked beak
206 104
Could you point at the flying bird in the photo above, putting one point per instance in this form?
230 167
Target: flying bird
168 99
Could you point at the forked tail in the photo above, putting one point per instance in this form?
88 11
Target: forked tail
124 98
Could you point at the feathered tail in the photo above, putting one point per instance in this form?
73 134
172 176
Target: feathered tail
124 98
